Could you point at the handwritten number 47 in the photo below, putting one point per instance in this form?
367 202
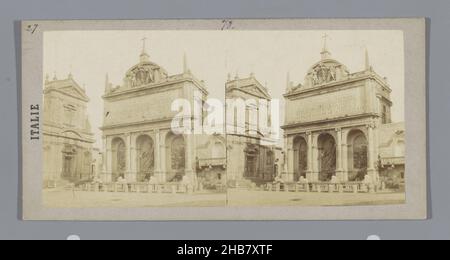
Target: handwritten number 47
32 28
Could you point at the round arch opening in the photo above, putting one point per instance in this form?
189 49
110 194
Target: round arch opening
176 157
327 157
145 156
357 155
119 161
300 158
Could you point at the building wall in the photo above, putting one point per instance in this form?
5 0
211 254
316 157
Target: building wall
67 138
348 108
142 106
249 158
146 110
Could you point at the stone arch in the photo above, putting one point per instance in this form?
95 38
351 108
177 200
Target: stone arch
300 157
357 155
176 157
119 158
327 157
145 158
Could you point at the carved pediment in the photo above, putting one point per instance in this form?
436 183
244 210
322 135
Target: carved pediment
256 91
72 91
67 87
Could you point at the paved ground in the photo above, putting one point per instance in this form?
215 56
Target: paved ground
82 199
236 198
263 198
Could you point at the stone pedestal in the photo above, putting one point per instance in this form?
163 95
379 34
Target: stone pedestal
106 177
372 176
312 176
340 176
159 177
288 176
131 177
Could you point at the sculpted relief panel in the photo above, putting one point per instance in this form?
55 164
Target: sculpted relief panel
326 72
323 74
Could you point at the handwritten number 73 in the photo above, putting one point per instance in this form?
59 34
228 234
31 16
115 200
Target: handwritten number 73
227 25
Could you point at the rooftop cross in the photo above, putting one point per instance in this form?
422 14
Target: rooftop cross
325 38
144 41
144 56
325 53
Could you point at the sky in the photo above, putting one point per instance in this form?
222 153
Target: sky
212 55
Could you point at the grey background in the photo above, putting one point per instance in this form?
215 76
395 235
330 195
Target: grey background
438 227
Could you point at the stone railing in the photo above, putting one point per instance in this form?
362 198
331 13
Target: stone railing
321 187
173 188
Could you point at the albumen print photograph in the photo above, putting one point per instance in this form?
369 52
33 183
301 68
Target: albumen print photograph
203 118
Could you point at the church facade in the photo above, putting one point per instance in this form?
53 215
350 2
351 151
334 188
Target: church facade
338 126
67 138
251 152
138 140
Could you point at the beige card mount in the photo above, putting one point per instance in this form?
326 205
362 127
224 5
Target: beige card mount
224 119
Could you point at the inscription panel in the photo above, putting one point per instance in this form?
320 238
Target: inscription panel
141 108
344 103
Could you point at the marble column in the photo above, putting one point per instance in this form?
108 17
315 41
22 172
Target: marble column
133 158
109 160
290 158
104 159
163 156
130 175
339 157
315 158
344 156
285 156
371 171
309 171
159 175
190 172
